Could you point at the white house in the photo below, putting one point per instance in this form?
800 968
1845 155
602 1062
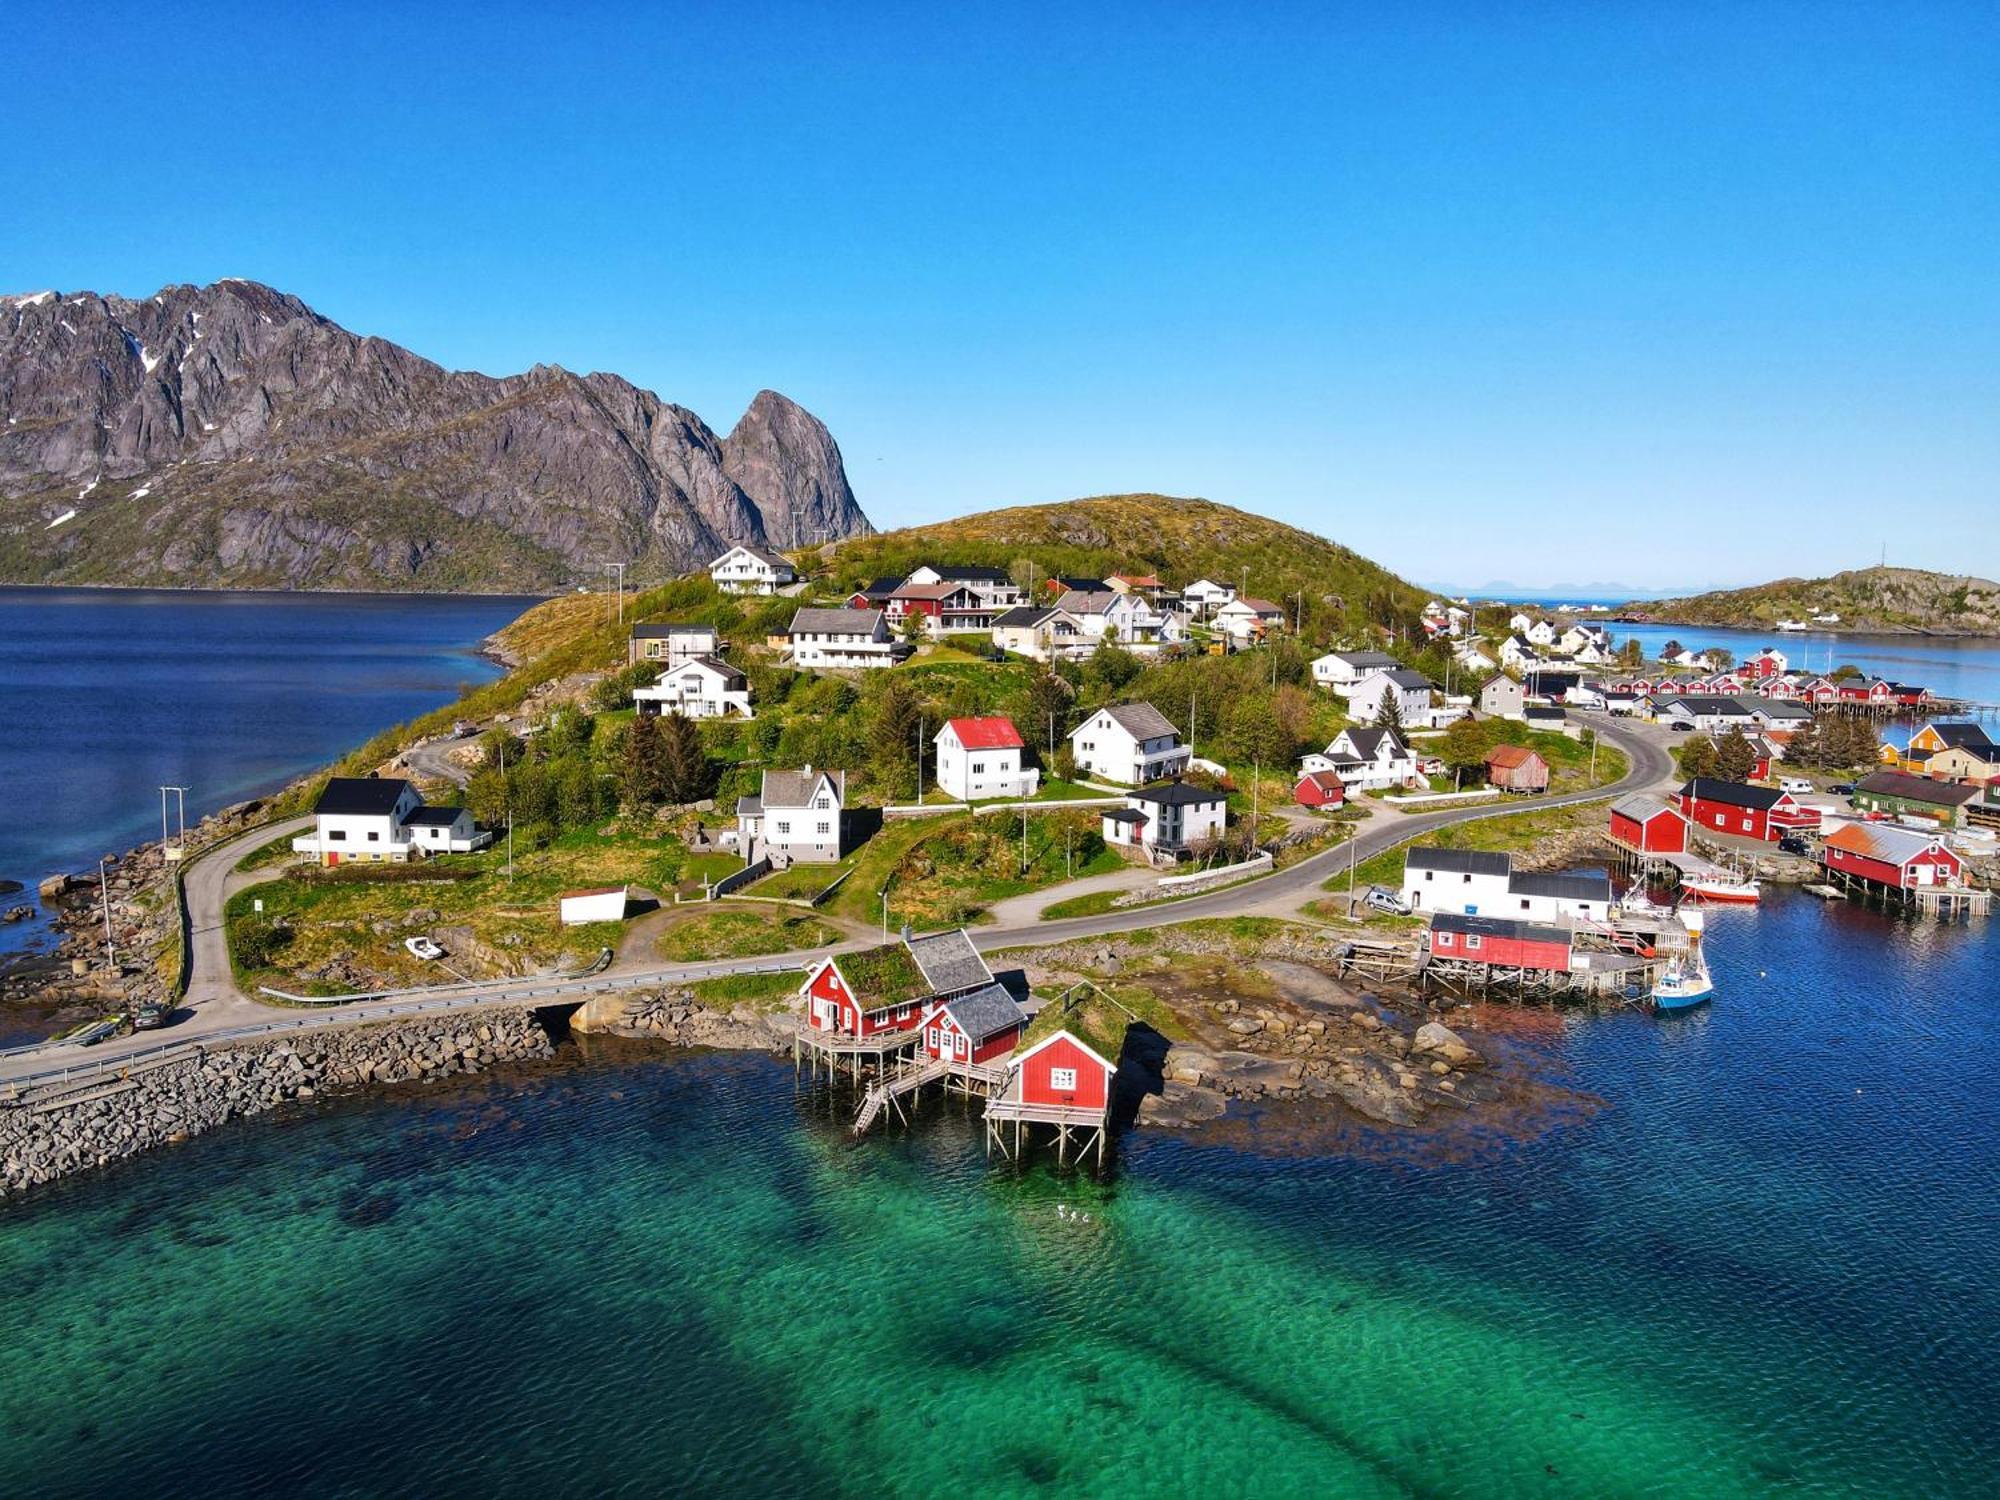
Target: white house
672 644
699 688
1519 621
796 818
1130 743
1581 635
1479 884
993 587
446 830
1474 657
1541 633
1166 822
1367 760
1518 654
1707 715
1246 618
1410 691
978 758
375 820
1337 669
1204 596
853 638
745 569
1043 634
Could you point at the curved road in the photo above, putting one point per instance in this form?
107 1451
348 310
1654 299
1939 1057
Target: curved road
221 1011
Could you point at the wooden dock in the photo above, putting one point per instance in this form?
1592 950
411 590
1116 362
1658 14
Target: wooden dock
888 1091
1079 1130
855 1056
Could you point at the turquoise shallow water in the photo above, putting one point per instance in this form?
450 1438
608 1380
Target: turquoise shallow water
1753 1254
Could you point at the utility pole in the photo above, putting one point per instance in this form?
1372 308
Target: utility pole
884 894
617 570
1024 841
104 895
920 759
171 847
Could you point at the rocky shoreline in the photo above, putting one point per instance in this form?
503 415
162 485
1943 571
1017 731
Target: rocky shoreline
191 1093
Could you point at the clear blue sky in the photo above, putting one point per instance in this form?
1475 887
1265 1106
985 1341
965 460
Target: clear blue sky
1657 294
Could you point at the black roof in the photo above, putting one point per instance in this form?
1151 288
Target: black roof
1076 585
361 795
1562 887
1022 614
880 588
1733 793
1177 794
434 817
1916 789
655 630
1551 682
1959 735
968 573
1451 921
1459 861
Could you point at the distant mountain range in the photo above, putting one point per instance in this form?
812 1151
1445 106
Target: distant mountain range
228 435
1507 589
1890 600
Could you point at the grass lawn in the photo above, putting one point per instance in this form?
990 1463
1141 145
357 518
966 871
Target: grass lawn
740 932
266 856
799 883
1512 833
765 992
952 869
506 926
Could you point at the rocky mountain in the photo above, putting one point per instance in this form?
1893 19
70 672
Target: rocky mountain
1892 600
228 435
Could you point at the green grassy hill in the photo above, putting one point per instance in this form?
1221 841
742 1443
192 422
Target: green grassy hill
1178 539
1880 599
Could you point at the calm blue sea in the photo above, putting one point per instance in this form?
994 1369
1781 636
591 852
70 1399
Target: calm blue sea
106 695
1749 1252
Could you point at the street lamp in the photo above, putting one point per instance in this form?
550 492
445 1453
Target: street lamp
171 847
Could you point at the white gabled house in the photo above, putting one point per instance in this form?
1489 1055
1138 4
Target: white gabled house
1581 635
1246 618
1518 654
1367 760
699 688
1129 743
1473 882
745 569
1410 691
1541 633
1043 634
671 643
1204 596
1340 669
840 638
382 819
797 818
980 758
1167 822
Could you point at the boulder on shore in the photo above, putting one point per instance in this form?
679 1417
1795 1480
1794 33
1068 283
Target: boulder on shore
53 887
1435 1036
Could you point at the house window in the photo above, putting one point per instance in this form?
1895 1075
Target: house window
1472 940
934 1038
337 834
374 837
1063 1080
1524 903
784 828
826 828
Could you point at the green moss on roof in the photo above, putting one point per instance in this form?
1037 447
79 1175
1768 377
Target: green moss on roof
1089 1017
884 976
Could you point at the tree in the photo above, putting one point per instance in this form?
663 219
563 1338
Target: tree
1805 747
1697 757
1389 712
1045 702
1632 655
1465 744
1672 649
1851 741
1112 666
914 626
642 774
684 768
1253 734
576 787
893 733
1845 672
1734 759
569 732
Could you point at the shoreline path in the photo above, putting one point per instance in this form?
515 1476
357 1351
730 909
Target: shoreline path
216 1010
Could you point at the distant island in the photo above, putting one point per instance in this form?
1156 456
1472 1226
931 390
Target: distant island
1891 601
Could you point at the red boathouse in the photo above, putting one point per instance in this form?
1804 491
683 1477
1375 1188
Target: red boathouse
1646 825
1500 942
1902 858
981 1027
1743 811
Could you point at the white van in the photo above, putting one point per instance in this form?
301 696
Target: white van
1798 786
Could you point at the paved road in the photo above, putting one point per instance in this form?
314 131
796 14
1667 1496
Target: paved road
220 1011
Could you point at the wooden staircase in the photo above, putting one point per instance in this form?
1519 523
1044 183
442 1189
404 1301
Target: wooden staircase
886 1092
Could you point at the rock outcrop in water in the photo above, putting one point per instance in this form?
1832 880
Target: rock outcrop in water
230 435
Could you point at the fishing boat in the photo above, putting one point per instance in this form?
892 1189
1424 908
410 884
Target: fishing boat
1722 888
1686 982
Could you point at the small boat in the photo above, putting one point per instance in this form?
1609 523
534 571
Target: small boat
1722 890
1638 903
1686 983
1792 627
424 948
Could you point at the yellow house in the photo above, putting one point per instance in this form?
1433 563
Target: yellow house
1966 744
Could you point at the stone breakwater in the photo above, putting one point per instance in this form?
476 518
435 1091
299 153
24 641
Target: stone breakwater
43 1140
675 1016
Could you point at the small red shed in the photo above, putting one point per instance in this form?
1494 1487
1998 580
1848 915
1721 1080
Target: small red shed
1905 858
1500 942
1646 825
1061 1072
981 1027
1516 768
1320 789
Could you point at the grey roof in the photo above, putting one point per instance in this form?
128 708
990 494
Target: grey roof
1367 659
1177 794
1562 887
1141 720
435 817
1087 601
970 573
949 961
791 789
1732 793
1641 807
1543 713
1451 921
1125 815
661 629
1367 743
361 796
1021 616
985 1012
1403 677
1459 861
1916 789
837 621
728 673
1701 703
763 554
749 806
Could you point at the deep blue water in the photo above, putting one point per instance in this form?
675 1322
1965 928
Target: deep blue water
1751 1251
105 695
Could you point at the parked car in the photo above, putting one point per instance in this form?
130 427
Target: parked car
1842 789
150 1017
1791 843
1680 729
1798 786
1385 900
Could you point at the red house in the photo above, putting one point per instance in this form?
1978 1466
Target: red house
1766 663
981 1027
1320 789
1060 1072
1904 858
890 988
1744 811
1500 942
1644 823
